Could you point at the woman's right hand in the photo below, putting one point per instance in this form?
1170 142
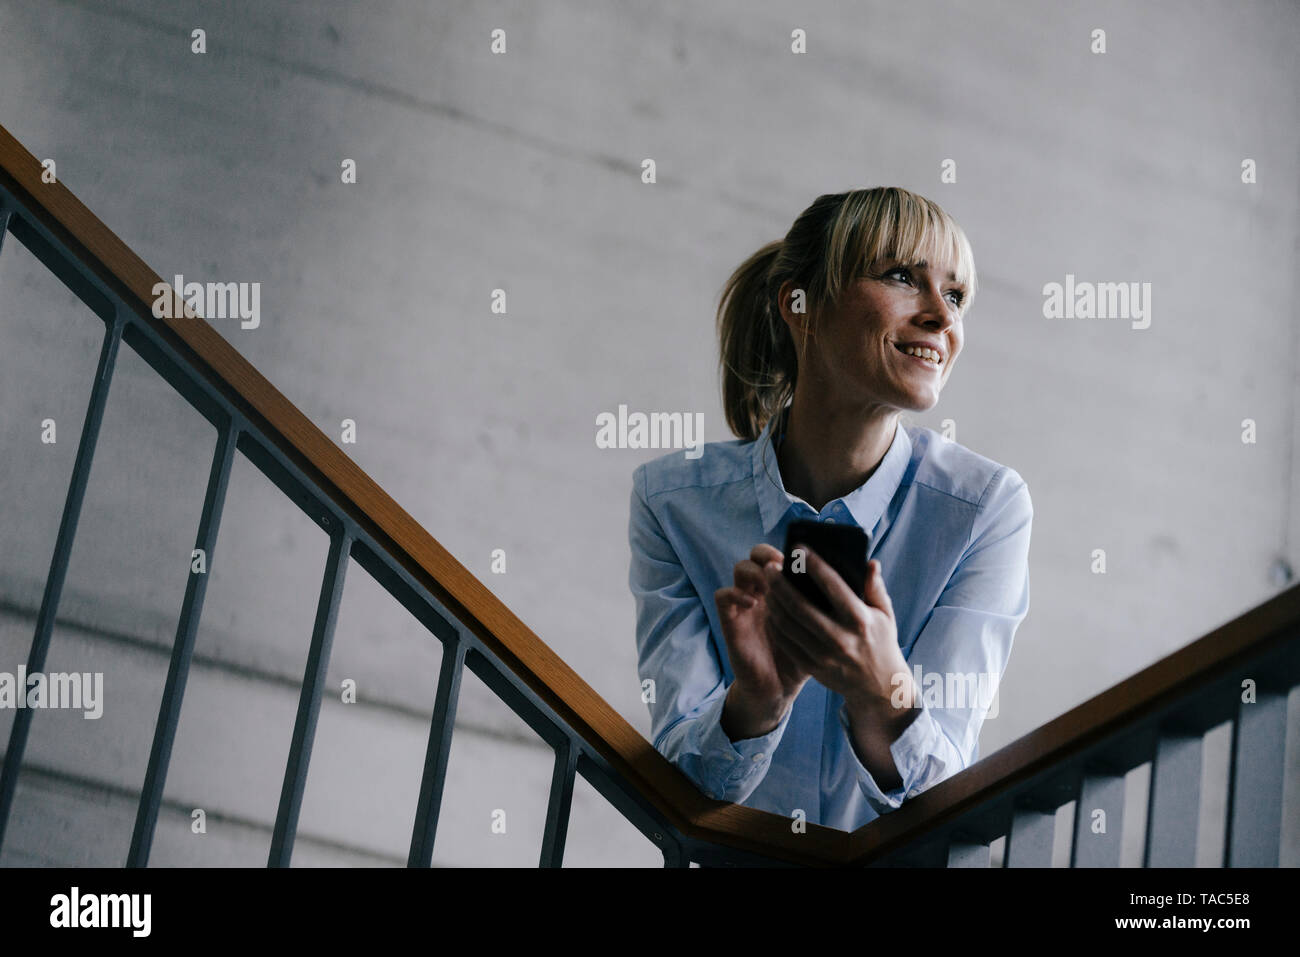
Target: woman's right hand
766 680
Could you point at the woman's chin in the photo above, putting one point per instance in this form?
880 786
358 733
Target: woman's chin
921 403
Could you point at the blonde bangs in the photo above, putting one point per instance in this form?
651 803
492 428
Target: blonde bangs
894 223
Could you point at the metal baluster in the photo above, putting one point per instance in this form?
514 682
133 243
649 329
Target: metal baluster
59 563
169 712
674 854
924 852
304 729
557 808
967 853
1254 815
1104 791
1174 801
1029 842
437 753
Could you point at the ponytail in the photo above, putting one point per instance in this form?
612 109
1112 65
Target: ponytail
757 354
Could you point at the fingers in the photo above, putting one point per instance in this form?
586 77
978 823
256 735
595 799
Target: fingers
786 663
730 599
833 586
797 620
778 637
749 573
749 577
874 591
830 583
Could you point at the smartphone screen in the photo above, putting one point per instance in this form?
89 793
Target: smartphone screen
843 547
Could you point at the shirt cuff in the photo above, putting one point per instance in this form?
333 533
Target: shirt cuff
736 767
910 752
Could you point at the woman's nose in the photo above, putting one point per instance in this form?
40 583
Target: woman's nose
939 308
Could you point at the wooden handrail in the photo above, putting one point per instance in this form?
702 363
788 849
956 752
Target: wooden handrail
696 816
1156 687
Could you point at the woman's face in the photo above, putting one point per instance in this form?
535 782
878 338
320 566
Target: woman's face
856 348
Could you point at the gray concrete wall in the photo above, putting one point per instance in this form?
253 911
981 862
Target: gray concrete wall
522 171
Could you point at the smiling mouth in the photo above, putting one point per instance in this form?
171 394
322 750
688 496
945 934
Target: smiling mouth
927 363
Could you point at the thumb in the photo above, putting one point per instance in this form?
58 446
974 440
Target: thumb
874 592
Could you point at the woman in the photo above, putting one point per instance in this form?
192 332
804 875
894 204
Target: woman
757 696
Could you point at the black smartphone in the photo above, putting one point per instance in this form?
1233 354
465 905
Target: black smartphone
843 547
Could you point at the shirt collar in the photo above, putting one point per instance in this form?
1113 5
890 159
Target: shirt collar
865 504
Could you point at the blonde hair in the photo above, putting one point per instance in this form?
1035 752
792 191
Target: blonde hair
829 246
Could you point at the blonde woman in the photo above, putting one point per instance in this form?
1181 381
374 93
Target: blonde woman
827 337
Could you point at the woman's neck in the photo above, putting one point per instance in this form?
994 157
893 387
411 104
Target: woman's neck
826 453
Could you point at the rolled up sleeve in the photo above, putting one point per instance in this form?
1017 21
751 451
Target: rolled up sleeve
676 652
963 649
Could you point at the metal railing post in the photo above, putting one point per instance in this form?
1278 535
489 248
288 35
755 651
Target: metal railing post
1030 839
969 853
169 711
304 729
557 807
1174 800
59 562
1258 756
437 752
1101 792
674 854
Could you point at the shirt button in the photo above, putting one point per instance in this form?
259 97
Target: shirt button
829 521
759 756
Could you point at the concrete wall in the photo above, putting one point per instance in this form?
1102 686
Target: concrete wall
522 171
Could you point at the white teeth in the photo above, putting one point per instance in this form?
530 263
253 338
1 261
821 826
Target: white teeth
923 352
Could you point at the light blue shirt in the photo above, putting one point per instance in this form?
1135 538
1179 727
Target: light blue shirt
951 529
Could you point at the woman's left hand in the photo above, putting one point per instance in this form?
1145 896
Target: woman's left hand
856 653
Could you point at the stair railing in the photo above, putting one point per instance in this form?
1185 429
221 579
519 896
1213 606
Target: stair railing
1158 715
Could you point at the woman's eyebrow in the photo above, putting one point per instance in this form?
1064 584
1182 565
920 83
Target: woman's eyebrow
952 276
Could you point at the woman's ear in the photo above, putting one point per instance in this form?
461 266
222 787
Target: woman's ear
793 301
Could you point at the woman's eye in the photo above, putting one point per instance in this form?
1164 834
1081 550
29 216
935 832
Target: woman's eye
957 296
